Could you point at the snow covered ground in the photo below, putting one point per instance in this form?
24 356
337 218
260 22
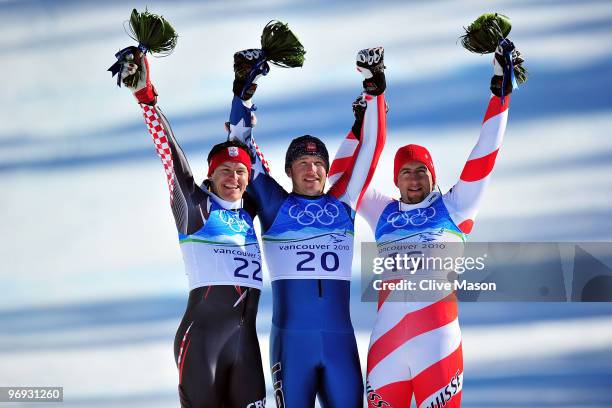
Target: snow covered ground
91 276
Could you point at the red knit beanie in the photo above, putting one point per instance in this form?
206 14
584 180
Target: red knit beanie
409 153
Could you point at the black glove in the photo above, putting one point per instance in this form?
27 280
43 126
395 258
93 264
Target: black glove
499 62
249 65
370 62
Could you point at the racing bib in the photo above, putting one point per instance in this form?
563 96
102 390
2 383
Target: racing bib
311 238
415 233
224 251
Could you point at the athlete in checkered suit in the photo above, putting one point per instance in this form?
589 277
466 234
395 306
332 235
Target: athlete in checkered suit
216 348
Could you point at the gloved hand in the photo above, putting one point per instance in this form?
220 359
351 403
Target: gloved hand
370 63
359 108
135 75
249 66
499 62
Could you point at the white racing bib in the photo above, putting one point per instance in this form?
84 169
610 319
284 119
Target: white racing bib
310 239
417 233
223 252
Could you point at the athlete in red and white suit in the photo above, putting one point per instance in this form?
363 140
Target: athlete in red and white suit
415 346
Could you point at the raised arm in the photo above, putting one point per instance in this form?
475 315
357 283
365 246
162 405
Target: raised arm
463 200
185 194
264 191
355 162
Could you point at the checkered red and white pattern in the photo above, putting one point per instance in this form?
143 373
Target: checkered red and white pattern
160 138
264 162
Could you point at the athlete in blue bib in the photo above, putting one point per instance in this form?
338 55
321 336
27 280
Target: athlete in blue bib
308 242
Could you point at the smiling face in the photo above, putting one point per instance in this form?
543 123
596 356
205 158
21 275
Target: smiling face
414 181
308 175
229 180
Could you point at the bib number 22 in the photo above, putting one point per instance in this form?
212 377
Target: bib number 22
244 264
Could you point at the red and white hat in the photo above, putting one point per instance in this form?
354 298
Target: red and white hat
229 154
413 152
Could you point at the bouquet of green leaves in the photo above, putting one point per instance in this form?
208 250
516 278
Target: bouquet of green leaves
154 35
484 35
280 45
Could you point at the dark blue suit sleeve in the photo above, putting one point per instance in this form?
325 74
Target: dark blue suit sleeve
265 192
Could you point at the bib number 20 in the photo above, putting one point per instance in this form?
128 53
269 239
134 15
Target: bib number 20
244 264
329 261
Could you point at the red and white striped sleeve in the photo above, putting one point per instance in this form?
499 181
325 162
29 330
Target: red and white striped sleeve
463 200
353 167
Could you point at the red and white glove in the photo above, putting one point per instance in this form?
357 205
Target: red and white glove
137 64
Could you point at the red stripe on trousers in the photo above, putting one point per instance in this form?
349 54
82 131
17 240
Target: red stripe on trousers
396 395
437 376
207 290
454 402
184 357
418 322
495 107
479 168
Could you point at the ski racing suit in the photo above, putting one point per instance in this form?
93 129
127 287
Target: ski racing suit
415 346
216 348
308 242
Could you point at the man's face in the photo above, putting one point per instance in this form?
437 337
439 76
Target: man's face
414 182
229 180
308 175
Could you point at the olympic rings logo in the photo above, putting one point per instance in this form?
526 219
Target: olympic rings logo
402 218
234 221
314 212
